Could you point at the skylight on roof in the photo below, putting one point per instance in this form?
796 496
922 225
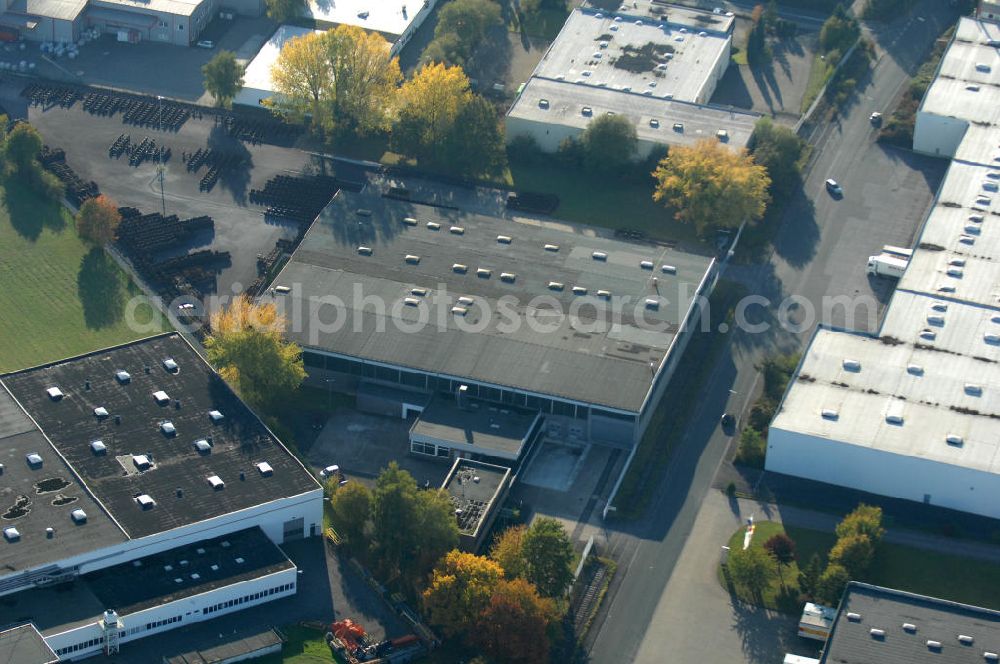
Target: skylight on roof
265 469
168 428
11 534
202 446
54 393
33 459
145 501
170 365
123 377
100 412
216 482
161 398
78 516
216 416
98 447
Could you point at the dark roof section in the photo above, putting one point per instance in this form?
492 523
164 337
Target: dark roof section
177 478
937 626
491 429
229 648
604 364
24 645
473 486
129 588
36 497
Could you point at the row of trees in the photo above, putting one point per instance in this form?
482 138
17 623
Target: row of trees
343 82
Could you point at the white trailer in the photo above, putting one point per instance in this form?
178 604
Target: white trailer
898 252
885 265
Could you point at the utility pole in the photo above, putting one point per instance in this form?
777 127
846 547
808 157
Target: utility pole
159 151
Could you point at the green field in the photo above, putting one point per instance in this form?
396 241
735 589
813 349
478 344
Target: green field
59 297
304 646
900 567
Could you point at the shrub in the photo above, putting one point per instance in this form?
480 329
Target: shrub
752 448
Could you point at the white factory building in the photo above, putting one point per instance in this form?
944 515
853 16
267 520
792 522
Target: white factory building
133 479
913 411
656 64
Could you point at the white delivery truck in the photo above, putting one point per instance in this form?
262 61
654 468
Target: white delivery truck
885 265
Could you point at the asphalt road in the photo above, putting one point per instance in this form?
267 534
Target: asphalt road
816 235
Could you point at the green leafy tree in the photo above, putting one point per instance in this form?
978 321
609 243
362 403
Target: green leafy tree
757 49
831 584
839 31
770 16
475 145
98 219
710 186
22 147
508 552
461 27
780 151
809 576
549 556
247 346
514 625
284 10
854 553
351 509
460 589
751 569
223 77
609 143
430 105
864 520
781 547
752 449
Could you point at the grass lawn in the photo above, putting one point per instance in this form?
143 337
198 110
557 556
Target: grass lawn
599 201
304 646
819 74
901 567
59 297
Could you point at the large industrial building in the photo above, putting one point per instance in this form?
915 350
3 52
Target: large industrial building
138 494
656 64
424 304
875 624
911 412
177 22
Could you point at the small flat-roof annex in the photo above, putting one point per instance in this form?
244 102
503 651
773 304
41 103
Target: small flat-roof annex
489 429
24 645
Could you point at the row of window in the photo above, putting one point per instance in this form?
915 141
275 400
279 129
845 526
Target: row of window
161 623
429 449
445 385
247 598
86 645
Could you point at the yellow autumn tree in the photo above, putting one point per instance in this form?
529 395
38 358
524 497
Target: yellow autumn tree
342 79
711 186
429 106
460 589
248 348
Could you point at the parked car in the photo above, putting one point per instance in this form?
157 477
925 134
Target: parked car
206 43
875 118
330 471
728 422
834 188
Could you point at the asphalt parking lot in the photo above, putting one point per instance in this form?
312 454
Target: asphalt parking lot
240 228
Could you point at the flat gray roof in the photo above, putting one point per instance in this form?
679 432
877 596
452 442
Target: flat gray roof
63 10
576 105
626 52
228 647
177 478
486 426
934 620
33 498
512 334
969 61
144 7
473 487
24 645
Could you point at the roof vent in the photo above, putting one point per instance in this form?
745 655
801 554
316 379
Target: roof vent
215 416
54 393
829 414
98 447
990 656
579 290
992 339
646 265
978 218
100 412
281 290
606 294
852 365
915 369
955 272
419 292
78 516
654 123
365 251
411 301
433 225
953 439
509 277
11 534
939 306
894 418
202 446
216 482
238 560
141 462
465 300
935 319
722 135
264 468
170 365
928 335
123 377
934 645
556 285
409 221
972 88
412 260
966 239
552 247
877 633
983 67
957 262
458 267
145 501
543 103
363 212
504 239
161 398
587 111
599 256
973 389
854 617
909 627
459 311
168 429
484 273
652 303
456 230
34 459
